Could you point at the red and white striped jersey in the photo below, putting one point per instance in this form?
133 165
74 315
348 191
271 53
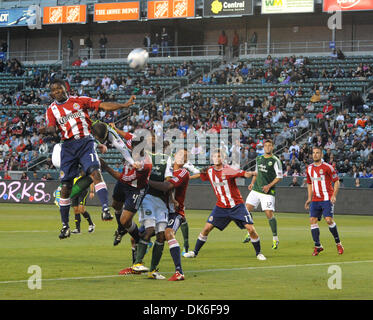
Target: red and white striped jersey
180 180
137 178
321 177
71 117
223 182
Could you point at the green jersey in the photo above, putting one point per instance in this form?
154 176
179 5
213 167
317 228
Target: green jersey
159 172
267 170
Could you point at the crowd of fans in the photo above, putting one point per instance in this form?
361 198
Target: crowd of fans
279 115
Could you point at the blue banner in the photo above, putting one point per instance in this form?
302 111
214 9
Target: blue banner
17 17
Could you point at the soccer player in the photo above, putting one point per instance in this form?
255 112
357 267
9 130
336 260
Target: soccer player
178 183
321 198
268 173
230 205
111 136
130 191
69 116
78 204
154 216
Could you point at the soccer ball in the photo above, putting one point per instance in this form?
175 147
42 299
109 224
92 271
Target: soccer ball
137 59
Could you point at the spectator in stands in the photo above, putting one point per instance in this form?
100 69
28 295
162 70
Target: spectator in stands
7 176
147 42
328 107
222 42
294 183
316 97
43 149
85 62
88 45
165 42
235 44
357 183
253 42
70 47
77 62
24 176
35 176
102 44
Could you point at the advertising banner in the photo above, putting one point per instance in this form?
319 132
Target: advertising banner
348 5
170 9
118 11
65 14
216 8
287 6
18 17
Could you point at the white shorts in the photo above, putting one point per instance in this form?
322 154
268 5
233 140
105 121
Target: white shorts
267 201
153 208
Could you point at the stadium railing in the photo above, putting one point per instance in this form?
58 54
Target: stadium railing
306 47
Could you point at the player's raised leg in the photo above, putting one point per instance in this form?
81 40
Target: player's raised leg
333 230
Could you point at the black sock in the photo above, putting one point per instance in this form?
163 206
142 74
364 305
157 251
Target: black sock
121 229
133 230
88 217
77 221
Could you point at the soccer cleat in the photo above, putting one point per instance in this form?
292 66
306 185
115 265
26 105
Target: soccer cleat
117 237
139 267
247 239
91 228
340 248
76 231
105 215
128 271
155 275
65 233
261 257
177 277
189 254
275 244
317 250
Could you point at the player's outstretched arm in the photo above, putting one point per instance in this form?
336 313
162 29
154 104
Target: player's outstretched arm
195 176
47 130
111 171
249 174
112 106
162 186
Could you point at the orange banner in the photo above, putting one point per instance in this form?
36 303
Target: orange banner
65 14
169 9
116 11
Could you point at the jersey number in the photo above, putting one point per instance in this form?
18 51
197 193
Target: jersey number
93 156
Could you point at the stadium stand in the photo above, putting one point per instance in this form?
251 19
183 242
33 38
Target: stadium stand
297 101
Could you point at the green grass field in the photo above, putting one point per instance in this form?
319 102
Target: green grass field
86 266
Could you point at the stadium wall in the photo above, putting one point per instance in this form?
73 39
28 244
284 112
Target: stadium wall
199 197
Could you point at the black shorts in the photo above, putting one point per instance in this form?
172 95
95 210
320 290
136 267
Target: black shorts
81 199
174 221
131 197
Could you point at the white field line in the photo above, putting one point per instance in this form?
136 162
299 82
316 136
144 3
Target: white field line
203 271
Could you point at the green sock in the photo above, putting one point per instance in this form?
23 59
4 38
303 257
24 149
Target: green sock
185 231
140 251
273 225
157 255
80 186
